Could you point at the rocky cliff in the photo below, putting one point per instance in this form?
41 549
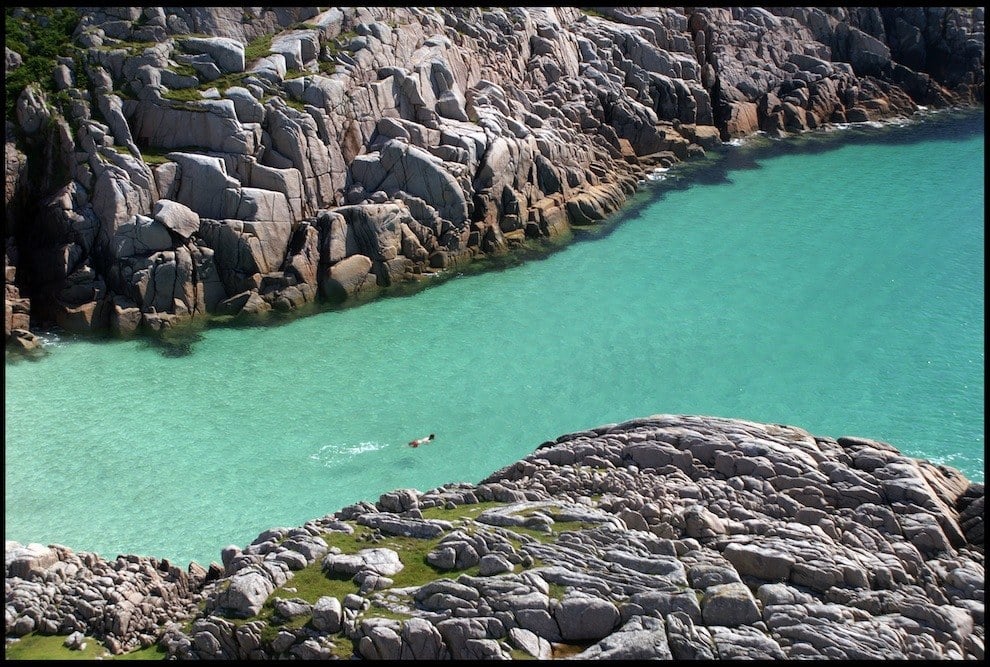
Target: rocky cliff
669 537
172 164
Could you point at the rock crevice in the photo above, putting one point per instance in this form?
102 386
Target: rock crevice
665 537
492 127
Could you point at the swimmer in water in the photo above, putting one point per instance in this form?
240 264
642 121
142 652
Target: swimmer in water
421 441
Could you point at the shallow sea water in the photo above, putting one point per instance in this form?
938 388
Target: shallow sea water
835 284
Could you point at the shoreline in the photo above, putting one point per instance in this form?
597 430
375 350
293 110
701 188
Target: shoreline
695 165
179 340
176 171
300 159
733 527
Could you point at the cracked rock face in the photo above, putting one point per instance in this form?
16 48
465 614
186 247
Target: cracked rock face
486 126
665 537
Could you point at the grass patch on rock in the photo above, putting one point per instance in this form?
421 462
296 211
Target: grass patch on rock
40 35
555 530
228 81
184 70
257 48
588 11
156 156
556 591
183 95
460 512
52 647
311 583
133 48
124 93
187 624
559 527
519 654
380 611
342 646
563 650
412 552
274 624
152 156
341 41
35 646
153 652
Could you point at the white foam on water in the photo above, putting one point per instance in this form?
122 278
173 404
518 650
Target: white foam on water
330 458
897 121
953 460
335 453
50 339
742 141
362 447
658 174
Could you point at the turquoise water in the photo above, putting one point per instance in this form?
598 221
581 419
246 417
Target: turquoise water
830 285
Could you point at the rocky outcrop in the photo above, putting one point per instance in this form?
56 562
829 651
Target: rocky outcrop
54 591
668 537
188 162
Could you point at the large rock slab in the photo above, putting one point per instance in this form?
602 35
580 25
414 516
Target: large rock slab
204 185
24 560
177 217
377 228
640 638
729 604
583 617
347 278
382 561
403 167
207 125
228 54
142 236
242 249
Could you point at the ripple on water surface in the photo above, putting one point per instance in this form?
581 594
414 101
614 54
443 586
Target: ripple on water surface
838 290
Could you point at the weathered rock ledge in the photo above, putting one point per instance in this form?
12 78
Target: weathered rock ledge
182 164
665 537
